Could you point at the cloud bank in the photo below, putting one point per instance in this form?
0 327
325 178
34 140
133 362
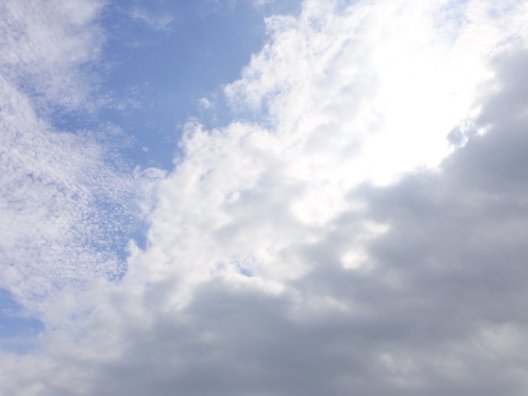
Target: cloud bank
357 229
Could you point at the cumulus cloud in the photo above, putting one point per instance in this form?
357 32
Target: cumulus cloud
437 308
331 240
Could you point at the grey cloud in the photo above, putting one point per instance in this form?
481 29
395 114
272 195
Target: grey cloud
440 310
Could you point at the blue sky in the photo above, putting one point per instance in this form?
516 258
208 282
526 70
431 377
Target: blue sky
160 59
16 331
263 197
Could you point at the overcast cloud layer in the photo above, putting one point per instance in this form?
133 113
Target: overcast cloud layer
357 228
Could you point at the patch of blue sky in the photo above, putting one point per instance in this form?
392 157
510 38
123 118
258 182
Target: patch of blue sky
17 330
159 60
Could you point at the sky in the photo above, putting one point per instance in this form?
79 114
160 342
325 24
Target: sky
263 197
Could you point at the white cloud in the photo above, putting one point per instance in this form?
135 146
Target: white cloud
158 22
205 103
379 73
60 192
329 242
44 47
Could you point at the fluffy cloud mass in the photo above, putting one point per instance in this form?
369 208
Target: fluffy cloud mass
357 228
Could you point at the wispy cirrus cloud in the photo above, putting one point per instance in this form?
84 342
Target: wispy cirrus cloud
158 22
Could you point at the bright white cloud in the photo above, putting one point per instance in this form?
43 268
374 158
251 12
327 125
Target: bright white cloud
329 241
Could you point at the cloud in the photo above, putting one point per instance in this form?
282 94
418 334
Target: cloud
61 193
329 241
437 308
161 22
45 47
203 8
